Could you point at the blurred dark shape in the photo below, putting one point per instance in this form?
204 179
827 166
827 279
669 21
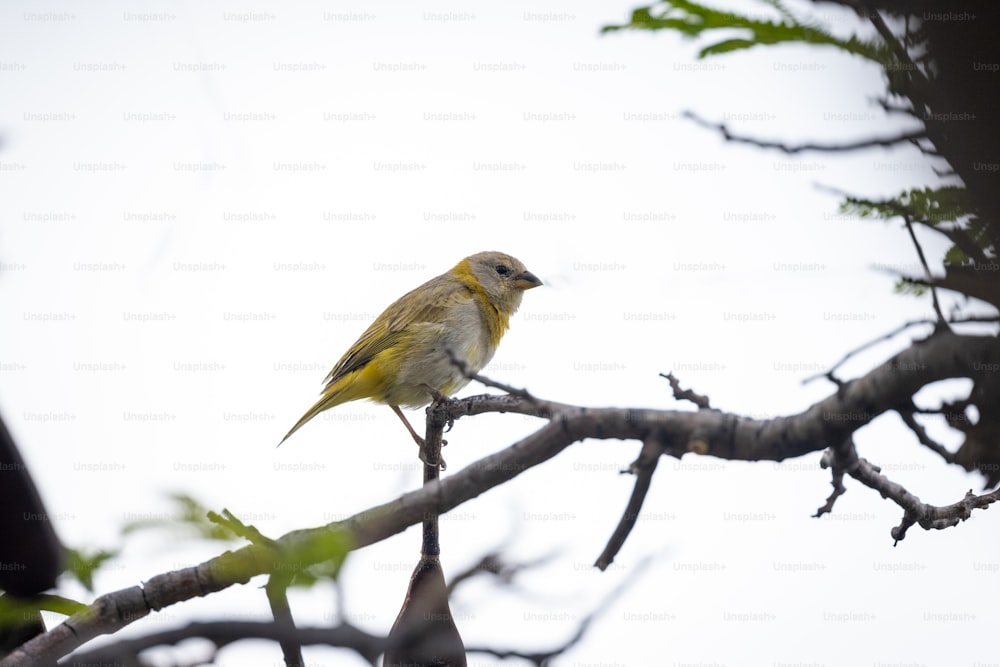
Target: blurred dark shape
980 450
424 632
13 634
30 552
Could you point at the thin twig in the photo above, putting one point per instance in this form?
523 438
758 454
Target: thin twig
837 482
493 563
915 93
927 272
912 137
277 597
545 657
483 380
908 418
888 107
828 374
227 632
514 391
643 469
929 517
686 394
844 459
433 465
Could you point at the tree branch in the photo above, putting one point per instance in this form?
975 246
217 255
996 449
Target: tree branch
493 563
910 420
643 469
277 598
837 472
912 137
544 657
927 271
844 458
222 634
929 517
686 394
368 646
829 374
942 356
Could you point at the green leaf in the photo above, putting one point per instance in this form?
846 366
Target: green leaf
188 515
907 286
318 559
947 204
14 611
82 565
947 207
727 46
955 256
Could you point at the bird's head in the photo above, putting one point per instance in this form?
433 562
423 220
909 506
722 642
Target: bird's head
503 278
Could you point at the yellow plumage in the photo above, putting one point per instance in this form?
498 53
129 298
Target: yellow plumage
406 349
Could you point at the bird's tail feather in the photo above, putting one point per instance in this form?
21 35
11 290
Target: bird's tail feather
325 401
362 383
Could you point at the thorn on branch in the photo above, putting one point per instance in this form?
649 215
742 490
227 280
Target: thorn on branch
686 394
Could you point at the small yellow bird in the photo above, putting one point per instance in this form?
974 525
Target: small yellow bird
407 353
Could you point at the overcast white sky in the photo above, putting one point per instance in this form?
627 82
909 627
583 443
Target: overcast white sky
204 204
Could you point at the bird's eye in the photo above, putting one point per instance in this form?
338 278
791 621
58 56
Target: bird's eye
502 270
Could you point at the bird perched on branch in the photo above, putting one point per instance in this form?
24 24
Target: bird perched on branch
415 350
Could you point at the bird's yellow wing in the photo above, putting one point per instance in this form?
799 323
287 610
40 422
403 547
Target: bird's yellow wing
429 303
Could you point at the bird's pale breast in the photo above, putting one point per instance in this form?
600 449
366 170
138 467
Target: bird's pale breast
427 359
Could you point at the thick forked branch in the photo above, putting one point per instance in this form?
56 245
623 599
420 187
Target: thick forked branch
942 356
929 517
843 459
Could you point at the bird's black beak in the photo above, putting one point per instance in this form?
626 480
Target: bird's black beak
526 280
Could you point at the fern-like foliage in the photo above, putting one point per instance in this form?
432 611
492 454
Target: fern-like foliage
946 209
694 20
189 515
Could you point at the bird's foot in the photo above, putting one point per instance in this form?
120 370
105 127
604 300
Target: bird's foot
440 463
